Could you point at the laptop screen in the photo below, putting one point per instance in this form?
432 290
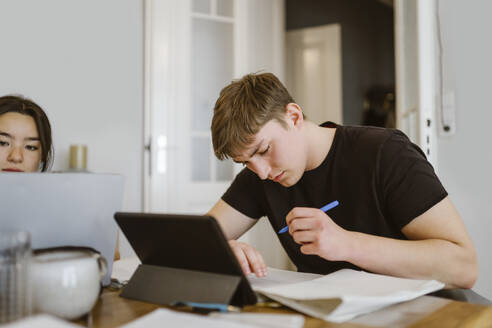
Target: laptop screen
63 209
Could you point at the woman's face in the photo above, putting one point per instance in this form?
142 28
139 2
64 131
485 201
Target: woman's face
20 148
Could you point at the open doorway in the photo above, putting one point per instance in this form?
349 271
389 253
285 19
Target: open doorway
314 71
367 52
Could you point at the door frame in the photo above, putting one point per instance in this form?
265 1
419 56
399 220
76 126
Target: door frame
419 122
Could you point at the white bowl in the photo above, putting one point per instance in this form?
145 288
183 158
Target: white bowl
66 281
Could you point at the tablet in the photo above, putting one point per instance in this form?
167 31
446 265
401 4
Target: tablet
190 242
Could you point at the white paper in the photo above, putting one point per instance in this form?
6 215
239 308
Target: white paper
124 268
167 318
41 321
277 277
265 320
403 314
342 295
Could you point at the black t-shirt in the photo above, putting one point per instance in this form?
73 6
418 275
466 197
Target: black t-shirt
381 180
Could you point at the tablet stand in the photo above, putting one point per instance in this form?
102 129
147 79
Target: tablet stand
165 285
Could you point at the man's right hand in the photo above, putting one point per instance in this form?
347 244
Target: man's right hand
233 223
249 258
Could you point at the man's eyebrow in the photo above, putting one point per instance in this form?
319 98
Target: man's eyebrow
257 148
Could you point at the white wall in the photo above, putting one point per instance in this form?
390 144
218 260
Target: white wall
81 61
465 159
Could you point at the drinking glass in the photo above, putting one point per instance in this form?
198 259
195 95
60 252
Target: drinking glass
15 284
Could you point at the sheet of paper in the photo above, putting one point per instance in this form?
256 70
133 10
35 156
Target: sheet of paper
41 321
265 320
163 317
342 295
402 314
353 285
276 277
124 268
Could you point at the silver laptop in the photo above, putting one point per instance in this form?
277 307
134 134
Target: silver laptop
63 209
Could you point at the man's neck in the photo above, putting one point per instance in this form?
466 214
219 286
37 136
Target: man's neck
319 141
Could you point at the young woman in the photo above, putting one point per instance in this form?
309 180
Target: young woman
25 136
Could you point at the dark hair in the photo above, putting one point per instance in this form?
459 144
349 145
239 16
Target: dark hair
243 108
22 105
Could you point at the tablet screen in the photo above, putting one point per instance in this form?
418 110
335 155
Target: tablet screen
189 242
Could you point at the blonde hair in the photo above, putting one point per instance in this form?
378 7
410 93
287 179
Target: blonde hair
243 108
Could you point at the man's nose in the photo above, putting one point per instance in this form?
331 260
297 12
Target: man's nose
15 155
261 168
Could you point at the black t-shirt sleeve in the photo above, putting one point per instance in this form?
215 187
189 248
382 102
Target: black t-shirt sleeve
408 183
245 194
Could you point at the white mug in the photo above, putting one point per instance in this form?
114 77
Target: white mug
66 281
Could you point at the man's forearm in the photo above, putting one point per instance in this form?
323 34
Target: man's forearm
453 264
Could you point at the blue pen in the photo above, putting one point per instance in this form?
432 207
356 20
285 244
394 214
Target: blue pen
207 306
325 208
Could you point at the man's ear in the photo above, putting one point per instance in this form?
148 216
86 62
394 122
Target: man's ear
294 114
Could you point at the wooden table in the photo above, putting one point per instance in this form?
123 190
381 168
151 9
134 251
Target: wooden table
112 311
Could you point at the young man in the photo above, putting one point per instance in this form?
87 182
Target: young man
394 217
